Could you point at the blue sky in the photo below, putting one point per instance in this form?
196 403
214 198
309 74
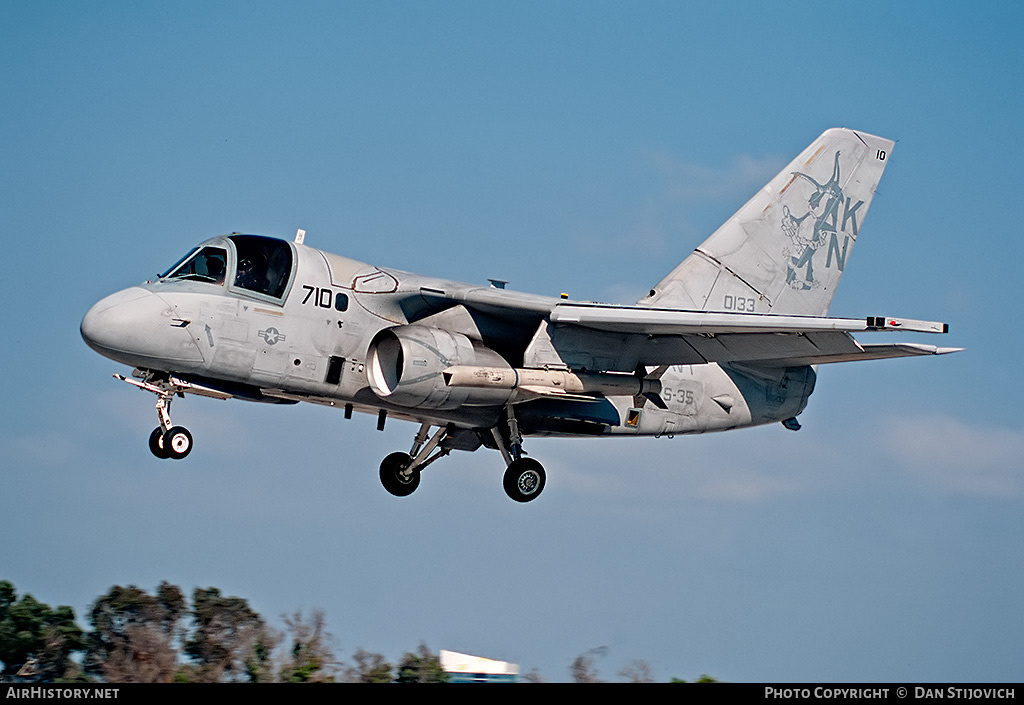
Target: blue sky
584 147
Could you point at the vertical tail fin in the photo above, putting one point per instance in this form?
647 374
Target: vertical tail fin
784 251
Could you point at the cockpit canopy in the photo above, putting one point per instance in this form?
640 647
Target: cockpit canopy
205 264
253 264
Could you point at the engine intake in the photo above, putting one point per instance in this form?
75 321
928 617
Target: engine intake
406 362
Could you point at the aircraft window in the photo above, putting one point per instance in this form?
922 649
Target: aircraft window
207 265
341 301
178 263
264 264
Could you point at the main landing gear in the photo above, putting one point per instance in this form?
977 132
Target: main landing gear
524 477
166 440
400 472
523 480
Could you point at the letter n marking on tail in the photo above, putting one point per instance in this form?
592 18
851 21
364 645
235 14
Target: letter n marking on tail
833 246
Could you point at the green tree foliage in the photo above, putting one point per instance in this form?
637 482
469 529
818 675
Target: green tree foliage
311 659
36 641
225 635
259 663
135 635
423 666
368 668
141 638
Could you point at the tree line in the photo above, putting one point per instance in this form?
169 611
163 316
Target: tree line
137 637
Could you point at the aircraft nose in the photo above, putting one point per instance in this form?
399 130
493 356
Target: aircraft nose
137 327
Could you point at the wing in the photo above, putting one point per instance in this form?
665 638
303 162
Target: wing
600 337
622 337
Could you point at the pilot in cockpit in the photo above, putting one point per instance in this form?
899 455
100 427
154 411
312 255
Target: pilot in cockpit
249 276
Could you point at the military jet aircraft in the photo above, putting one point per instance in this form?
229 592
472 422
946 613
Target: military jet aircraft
732 337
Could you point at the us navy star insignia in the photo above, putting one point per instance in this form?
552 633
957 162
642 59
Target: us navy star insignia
271 335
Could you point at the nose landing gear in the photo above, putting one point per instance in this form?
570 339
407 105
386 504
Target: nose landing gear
166 440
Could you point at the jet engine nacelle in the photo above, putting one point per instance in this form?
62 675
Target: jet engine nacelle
406 362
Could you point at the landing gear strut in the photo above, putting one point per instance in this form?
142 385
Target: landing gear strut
524 477
400 472
166 440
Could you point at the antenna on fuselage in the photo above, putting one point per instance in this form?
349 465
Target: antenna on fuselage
300 235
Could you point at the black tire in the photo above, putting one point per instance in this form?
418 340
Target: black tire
524 479
392 478
156 444
178 442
